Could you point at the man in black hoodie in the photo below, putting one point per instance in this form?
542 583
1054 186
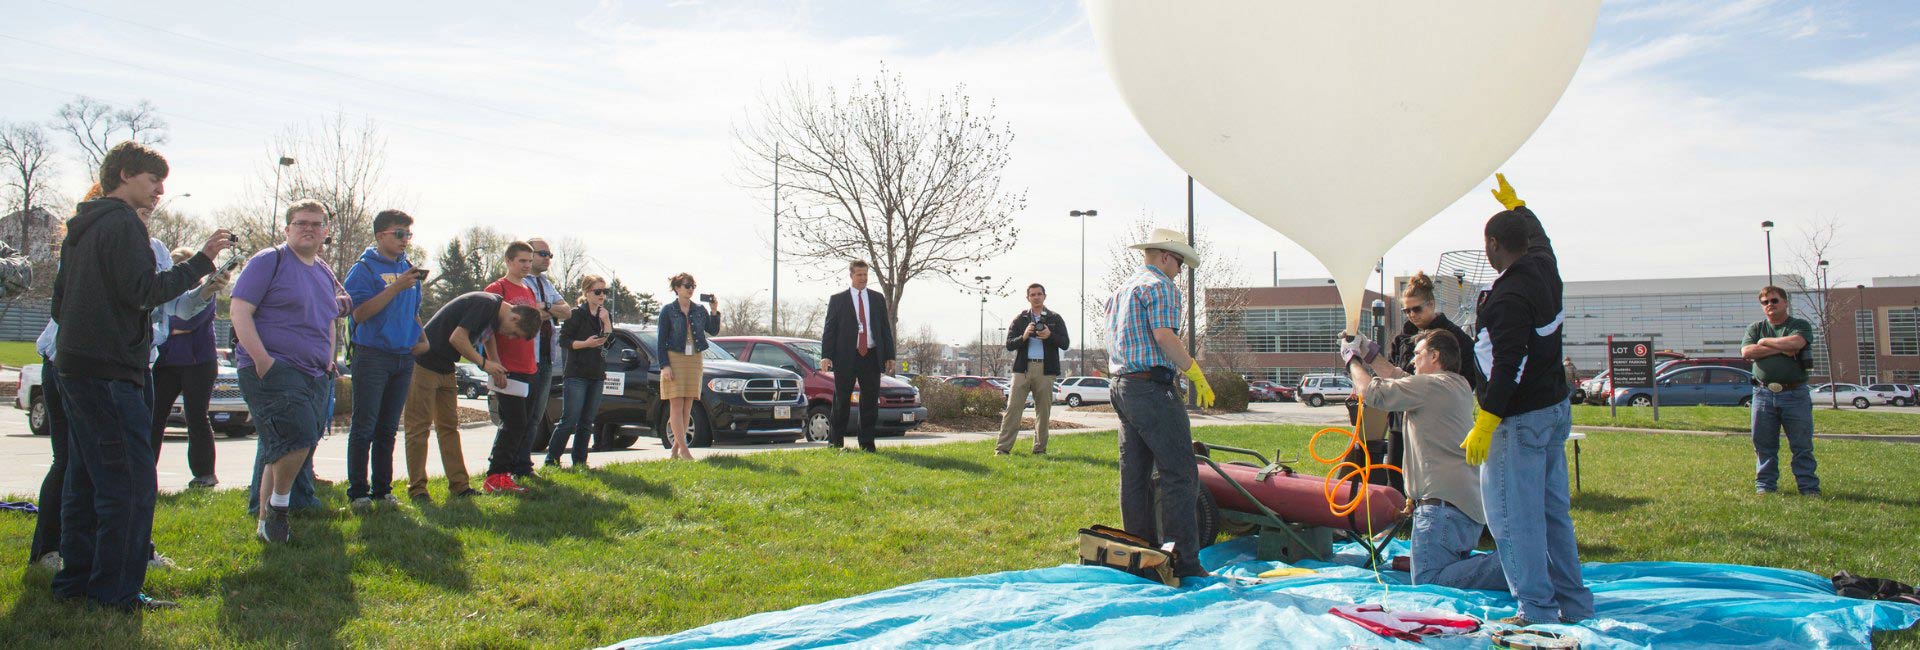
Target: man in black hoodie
102 298
1520 430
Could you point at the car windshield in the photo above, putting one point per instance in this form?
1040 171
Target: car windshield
650 341
808 351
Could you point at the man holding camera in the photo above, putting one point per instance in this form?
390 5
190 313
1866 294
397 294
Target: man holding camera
385 287
1036 338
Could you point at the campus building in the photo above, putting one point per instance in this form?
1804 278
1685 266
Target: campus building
1282 332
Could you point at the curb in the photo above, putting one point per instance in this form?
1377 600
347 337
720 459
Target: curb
1724 434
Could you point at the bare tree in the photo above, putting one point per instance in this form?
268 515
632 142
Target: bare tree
95 126
744 315
569 263
802 319
1218 315
1811 279
26 157
922 351
912 187
175 228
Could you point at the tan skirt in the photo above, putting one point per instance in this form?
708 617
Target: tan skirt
687 369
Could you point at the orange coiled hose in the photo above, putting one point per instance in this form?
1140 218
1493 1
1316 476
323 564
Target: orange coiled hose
1362 470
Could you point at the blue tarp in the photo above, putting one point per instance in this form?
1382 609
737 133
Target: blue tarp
1640 605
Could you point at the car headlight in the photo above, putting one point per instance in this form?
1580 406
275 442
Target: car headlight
727 385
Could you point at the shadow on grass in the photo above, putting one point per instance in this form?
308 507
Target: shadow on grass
37 619
1601 503
634 485
547 511
1910 503
424 553
940 463
1092 461
298 593
747 463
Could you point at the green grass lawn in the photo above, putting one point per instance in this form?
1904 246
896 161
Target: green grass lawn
652 548
1738 420
14 354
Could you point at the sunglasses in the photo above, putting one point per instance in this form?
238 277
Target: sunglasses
544 253
1413 309
401 233
1769 302
601 292
309 225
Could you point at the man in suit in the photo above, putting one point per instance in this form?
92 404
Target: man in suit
856 346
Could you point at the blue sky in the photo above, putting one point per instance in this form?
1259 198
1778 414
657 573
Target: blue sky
1688 123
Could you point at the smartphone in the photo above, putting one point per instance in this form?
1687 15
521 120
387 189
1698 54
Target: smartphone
706 297
422 272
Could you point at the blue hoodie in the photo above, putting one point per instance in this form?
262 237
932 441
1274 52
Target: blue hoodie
397 327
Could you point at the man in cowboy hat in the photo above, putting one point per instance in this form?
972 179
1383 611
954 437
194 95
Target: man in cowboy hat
1145 354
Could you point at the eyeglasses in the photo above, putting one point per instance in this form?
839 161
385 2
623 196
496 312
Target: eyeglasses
544 253
1412 309
401 233
601 292
1769 302
309 225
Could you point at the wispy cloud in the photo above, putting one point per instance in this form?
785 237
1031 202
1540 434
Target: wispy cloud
1893 67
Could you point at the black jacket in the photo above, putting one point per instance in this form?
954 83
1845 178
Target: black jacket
839 339
1402 354
1051 346
586 363
106 289
1520 321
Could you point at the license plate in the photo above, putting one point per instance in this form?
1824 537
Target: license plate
220 417
782 412
906 417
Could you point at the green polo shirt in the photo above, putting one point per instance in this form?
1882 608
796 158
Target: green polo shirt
1780 368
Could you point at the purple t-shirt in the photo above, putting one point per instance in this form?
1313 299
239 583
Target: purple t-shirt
294 309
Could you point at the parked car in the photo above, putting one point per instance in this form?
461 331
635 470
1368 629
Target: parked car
1083 390
1597 389
1893 394
971 381
1695 362
1694 386
900 407
739 401
1853 394
1318 389
470 380
227 410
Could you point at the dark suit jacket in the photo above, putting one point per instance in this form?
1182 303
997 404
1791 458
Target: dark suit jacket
839 340
1049 347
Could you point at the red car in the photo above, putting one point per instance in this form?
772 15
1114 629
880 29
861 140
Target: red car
900 406
1266 391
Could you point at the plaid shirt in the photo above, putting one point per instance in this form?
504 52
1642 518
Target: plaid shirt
1147 301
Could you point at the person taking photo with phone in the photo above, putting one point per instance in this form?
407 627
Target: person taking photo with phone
582 338
684 328
385 287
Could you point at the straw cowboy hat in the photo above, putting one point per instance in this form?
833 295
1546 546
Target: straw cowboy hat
1172 241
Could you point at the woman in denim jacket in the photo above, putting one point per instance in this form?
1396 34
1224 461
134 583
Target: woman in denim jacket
683 331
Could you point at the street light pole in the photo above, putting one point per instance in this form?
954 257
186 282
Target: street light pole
1767 227
773 318
285 162
980 350
1826 327
1082 215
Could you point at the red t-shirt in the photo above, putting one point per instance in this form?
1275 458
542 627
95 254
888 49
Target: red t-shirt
516 354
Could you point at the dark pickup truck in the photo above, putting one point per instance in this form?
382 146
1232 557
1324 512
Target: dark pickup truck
739 402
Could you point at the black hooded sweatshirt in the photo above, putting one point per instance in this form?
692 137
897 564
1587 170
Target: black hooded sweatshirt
1520 320
106 288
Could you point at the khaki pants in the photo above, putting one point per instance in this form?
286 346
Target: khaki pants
432 402
1039 384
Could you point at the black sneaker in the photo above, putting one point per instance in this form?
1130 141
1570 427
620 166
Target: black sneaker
469 492
422 499
151 604
279 528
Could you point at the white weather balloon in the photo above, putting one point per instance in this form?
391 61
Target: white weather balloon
1343 124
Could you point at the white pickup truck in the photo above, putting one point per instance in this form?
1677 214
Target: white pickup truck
227 410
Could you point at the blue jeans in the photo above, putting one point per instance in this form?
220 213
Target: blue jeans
1443 541
579 402
1524 488
1791 410
106 509
1155 434
539 388
380 381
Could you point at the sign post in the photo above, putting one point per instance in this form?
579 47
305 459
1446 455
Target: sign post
1630 365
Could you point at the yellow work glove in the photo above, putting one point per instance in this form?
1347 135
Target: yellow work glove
1201 390
1481 437
1505 194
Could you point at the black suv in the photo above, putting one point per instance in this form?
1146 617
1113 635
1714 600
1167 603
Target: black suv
738 401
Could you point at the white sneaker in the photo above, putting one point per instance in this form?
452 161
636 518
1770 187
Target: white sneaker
50 561
163 563
361 505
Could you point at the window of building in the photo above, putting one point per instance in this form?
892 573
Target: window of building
1868 348
1903 332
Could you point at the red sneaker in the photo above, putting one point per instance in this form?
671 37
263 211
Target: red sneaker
502 482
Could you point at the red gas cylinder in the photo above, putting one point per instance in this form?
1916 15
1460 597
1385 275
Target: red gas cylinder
1301 499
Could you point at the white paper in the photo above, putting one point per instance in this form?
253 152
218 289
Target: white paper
513 387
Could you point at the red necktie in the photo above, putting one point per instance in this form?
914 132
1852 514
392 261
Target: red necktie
860 308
